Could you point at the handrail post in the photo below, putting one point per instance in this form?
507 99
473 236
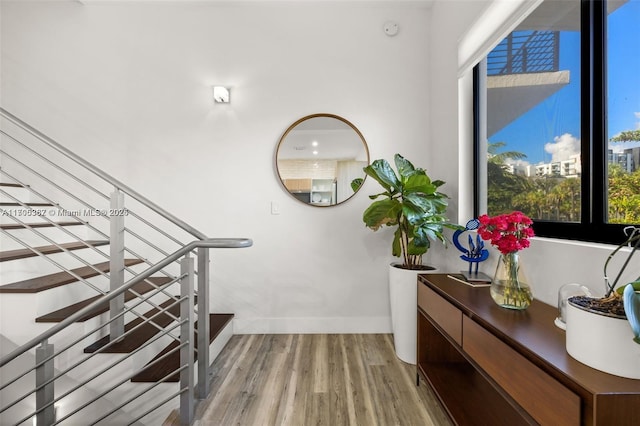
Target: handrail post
116 264
187 402
203 323
45 409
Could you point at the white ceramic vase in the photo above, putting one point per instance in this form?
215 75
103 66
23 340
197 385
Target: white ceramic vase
602 342
403 296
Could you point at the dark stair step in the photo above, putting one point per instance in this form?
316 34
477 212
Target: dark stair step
10 204
24 253
46 282
143 333
38 225
156 372
61 314
14 185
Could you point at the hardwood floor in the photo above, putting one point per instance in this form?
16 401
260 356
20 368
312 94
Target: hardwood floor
316 379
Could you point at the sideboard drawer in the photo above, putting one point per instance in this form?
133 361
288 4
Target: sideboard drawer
448 317
544 398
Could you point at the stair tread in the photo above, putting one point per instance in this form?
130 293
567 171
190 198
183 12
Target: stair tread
61 314
156 372
24 253
38 225
10 204
142 334
58 279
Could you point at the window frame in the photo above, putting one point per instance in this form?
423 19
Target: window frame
594 180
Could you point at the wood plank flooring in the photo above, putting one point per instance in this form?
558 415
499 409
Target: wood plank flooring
316 379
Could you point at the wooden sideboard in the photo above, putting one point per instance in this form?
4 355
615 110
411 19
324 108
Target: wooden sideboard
494 366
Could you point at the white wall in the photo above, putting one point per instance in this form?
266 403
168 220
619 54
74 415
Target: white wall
127 86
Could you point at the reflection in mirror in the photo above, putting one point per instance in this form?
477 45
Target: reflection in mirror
319 156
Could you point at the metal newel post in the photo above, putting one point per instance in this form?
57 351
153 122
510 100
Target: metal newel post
116 264
203 323
44 393
187 402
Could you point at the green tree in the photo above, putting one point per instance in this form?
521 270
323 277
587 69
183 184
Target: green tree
624 187
567 199
502 185
624 195
627 136
532 202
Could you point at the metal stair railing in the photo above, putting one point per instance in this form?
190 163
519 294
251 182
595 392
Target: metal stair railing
46 355
69 233
116 230
151 233
101 174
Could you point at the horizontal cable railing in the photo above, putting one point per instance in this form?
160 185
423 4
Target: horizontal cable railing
101 174
525 52
65 186
83 206
73 255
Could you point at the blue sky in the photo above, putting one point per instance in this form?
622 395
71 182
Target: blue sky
553 127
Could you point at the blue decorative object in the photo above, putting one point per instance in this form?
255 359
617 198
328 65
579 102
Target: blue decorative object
631 299
474 253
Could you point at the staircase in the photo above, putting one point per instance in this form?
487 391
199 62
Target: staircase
93 330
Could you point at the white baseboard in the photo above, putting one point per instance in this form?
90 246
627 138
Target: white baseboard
303 325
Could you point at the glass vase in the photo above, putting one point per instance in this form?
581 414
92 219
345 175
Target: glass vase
509 287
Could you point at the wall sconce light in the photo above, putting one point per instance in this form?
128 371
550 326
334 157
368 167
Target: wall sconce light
221 94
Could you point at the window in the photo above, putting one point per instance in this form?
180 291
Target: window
558 121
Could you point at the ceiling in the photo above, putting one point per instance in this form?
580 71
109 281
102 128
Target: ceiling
560 15
398 2
322 138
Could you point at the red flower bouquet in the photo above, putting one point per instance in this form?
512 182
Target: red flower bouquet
508 232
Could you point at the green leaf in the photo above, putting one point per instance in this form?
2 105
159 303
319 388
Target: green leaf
380 213
356 184
404 166
382 194
426 205
396 246
417 251
419 183
412 212
635 284
381 171
438 183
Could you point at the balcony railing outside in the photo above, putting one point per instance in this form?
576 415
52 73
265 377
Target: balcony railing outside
525 52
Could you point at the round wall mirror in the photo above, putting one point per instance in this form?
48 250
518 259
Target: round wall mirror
319 157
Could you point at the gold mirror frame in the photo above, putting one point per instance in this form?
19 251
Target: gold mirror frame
318 157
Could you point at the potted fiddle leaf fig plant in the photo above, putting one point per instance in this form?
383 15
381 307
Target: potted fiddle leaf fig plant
412 203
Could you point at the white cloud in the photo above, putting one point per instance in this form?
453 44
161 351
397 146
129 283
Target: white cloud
563 147
637 115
